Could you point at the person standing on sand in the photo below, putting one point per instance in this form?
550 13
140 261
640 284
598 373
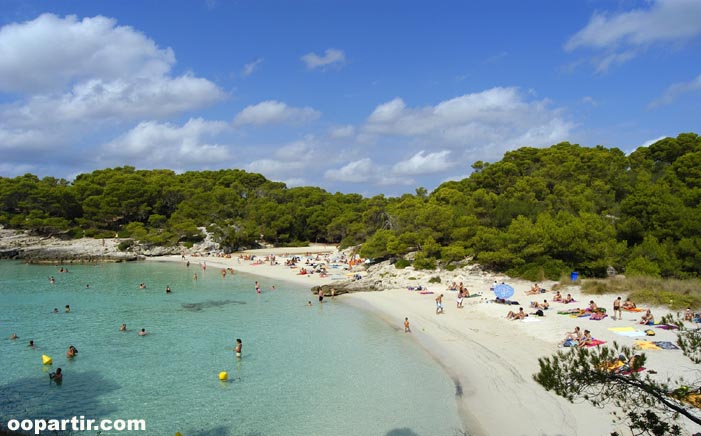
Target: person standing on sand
617 309
406 326
439 304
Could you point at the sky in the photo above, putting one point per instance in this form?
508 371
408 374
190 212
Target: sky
369 97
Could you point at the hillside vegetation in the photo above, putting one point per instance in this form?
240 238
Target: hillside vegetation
539 212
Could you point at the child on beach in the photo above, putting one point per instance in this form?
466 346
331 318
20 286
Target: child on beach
439 304
406 325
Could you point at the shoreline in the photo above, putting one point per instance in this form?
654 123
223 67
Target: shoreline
490 359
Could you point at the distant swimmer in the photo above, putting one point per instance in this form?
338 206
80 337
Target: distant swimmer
87 285
55 309
142 285
72 351
167 289
31 344
123 328
56 376
257 288
52 280
321 295
68 308
309 303
239 347
223 273
194 277
14 336
142 332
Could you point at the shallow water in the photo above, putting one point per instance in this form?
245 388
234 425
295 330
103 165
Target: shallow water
328 369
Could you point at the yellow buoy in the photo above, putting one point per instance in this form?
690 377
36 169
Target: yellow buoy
223 375
46 360
177 433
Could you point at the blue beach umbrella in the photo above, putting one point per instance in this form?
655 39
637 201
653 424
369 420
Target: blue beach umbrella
503 291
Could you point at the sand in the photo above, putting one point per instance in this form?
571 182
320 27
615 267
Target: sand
491 359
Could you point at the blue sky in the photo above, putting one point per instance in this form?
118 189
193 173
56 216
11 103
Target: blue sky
352 96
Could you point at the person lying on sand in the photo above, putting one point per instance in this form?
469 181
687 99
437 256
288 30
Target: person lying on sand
535 289
628 304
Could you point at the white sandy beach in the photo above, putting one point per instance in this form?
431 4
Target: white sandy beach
491 359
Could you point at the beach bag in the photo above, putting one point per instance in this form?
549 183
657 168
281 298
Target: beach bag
539 312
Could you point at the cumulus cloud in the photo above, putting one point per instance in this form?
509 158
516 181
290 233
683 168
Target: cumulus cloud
274 112
49 52
675 91
331 56
73 77
423 163
342 131
663 21
289 161
250 67
153 144
365 171
498 118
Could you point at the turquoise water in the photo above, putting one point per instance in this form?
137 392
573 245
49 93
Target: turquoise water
328 369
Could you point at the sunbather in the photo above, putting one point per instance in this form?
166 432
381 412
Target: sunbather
628 304
558 296
517 315
586 339
568 299
648 318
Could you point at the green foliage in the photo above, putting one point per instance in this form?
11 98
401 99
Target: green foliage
651 291
587 374
538 212
125 245
435 279
402 263
421 261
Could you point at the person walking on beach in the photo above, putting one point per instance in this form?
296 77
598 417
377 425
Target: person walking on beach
406 326
321 295
238 348
617 309
439 304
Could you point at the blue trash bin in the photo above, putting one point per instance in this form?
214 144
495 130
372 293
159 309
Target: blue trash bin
574 276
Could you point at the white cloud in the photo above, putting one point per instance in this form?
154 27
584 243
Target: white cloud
621 34
75 77
249 68
331 56
589 100
649 142
422 163
50 52
274 112
676 90
498 118
365 171
342 131
359 171
664 20
164 145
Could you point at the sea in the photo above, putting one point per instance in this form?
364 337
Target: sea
324 369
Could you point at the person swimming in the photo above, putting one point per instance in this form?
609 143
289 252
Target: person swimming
56 376
239 347
142 332
72 351
123 328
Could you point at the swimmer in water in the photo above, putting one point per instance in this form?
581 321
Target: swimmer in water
72 351
123 328
239 346
142 332
14 336
68 308
56 376
167 289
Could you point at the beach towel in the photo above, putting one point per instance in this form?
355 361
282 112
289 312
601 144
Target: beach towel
595 343
630 371
530 319
645 345
597 316
621 329
633 334
666 345
667 327
426 292
635 309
